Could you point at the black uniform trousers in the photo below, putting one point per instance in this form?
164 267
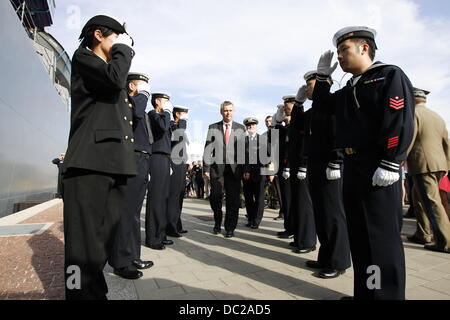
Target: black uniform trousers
254 199
157 197
93 204
176 196
329 216
285 197
232 186
127 243
374 219
301 213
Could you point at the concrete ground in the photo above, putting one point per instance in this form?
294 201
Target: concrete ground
201 266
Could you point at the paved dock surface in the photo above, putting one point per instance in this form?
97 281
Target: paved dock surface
255 264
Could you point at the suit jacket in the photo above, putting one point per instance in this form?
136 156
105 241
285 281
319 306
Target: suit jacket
101 132
429 150
217 154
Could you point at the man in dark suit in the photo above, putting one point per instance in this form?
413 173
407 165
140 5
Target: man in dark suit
223 160
100 155
253 179
126 254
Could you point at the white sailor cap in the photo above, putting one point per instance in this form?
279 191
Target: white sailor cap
289 98
310 75
420 93
354 32
157 95
138 76
179 108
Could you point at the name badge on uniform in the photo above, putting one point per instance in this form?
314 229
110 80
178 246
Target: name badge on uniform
374 80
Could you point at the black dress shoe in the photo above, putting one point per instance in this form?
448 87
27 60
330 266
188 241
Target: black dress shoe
167 242
304 250
330 273
278 218
128 273
292 244
281 233
174 235
229 234
142 264
414 239
248 225
314 264
254 226
433 247
156 246
183 231
217 230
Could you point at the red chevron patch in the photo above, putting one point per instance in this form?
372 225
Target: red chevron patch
393 142
397 103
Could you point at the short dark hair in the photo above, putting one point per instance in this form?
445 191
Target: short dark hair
268 117
153 102
88 40
371 44
226 104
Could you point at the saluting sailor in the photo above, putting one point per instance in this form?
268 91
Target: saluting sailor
126 256
100 155
301 214
179 160
325 183
282 121
158 188
375 123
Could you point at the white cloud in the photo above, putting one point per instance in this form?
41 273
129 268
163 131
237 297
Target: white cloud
253 52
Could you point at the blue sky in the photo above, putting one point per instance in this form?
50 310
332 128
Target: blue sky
254 52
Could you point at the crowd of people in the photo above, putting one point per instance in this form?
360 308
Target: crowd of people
334 169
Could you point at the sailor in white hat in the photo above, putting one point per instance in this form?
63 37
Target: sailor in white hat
325 185
375 121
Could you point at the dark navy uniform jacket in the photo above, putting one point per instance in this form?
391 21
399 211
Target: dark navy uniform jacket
374 115
160 124
283 145
141 137
297 156
101 136
321 137
179 138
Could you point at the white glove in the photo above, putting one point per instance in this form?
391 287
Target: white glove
168 107
286 173
324 66
384 178
143 87
123 38
184 116
333 174
301 175
301 95
279 116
